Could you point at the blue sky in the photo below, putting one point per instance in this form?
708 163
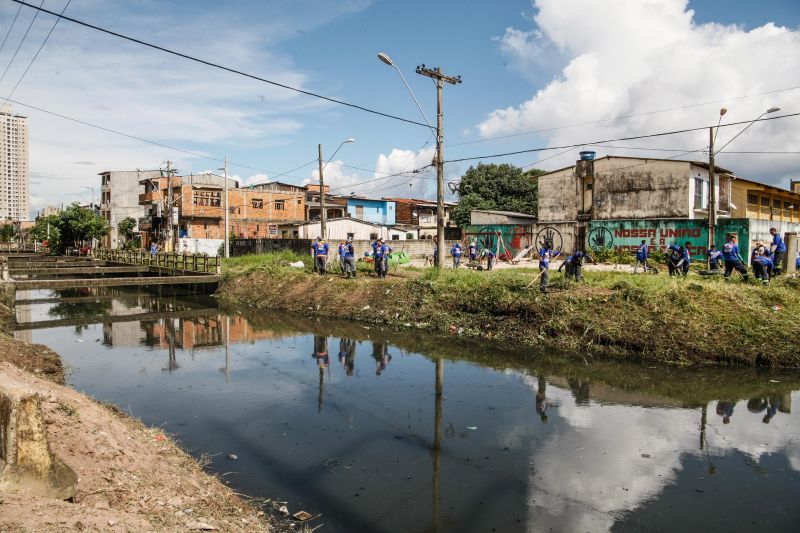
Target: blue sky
526 66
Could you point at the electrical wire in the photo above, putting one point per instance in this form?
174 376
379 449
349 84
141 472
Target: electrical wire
20 43
13 22
218 66
596 143
141 139
35 55
621 117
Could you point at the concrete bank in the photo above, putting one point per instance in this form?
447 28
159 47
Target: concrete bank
118 474
650 318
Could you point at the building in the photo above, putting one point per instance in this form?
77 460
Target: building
198 209
335 206
620 201
119 199
50 210
371 210
14 177
339 229
421 214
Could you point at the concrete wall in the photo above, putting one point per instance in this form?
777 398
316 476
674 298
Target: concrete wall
415 248
508 239
558 196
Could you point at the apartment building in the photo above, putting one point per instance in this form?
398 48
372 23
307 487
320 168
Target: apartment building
119 199
14 176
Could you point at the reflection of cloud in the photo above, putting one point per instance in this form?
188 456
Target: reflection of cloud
591 468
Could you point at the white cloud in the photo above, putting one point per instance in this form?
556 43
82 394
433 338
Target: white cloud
627 57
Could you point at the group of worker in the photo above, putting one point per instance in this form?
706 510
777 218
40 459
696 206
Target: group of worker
572 263
347 257
457 252
766 260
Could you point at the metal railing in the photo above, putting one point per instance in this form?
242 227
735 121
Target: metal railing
171 261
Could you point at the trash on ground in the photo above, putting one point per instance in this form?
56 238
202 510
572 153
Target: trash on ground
201 526
297 264
283 510
302 516
777 307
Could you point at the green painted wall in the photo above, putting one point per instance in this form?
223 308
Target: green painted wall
627 235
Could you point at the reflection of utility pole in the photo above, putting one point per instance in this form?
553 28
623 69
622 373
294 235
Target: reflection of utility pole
437 439
173 361
321 387
227 352
703 419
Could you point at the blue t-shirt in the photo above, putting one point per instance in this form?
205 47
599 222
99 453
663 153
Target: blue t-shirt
778 243
797 261
349 251
714 255
341 250
320 248
730 252
473 250
382 251
685 256
641 255
456 251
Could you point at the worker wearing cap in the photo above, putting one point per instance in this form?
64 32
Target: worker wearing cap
380 255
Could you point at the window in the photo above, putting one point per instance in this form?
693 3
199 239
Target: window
776 204
698 194
280 205
360 213
373 236
351 235
207 198
257 203
752 199
764 202
395 237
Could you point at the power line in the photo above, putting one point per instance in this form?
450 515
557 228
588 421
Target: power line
596 143
141 139
217 65
20 43
13 22
37 53
621 117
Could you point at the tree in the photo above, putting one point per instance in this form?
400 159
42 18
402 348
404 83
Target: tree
70 227
503 187
125 228
7 232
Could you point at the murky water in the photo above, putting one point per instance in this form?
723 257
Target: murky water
345 421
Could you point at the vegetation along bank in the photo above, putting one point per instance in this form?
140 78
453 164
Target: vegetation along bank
611 314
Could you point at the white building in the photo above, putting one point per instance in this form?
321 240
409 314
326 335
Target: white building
119 199
339 229
14 194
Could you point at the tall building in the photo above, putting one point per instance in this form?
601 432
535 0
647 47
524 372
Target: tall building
14 197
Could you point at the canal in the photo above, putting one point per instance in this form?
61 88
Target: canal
388 430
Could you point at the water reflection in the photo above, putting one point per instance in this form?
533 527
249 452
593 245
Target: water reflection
509 441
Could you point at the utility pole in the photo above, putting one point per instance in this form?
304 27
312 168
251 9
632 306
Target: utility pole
712 204
440 78
227 211
168 244
321 197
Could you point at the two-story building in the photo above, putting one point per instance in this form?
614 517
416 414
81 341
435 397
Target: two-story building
377 211
620 201
421 214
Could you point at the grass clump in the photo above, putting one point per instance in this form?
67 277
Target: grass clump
272 262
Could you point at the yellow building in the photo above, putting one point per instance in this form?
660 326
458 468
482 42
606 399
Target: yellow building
758 201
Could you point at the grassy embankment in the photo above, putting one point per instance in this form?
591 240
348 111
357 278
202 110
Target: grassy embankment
655 318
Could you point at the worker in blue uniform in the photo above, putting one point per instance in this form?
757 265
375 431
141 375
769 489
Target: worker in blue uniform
733 259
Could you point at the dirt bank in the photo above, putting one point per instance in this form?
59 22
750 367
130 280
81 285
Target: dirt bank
653 318
130 478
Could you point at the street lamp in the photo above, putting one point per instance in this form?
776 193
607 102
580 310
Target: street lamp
322 184
439 77
712 135
227 252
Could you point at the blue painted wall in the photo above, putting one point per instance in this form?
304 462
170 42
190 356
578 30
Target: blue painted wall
377 211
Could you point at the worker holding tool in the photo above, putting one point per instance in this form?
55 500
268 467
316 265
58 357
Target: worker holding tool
641 257
490 256
349 259
456 252
380 255
733 260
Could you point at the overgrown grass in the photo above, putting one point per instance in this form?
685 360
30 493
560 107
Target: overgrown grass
270 262
659 317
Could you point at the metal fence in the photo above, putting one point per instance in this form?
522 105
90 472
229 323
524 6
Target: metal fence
171 261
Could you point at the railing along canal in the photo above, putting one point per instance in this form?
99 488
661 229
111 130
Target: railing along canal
171 261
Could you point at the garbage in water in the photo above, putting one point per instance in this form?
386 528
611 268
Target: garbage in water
233 456
283 510
302 516
472 428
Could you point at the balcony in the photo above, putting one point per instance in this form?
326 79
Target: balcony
151 197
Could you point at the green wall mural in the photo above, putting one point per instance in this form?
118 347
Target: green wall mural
627 235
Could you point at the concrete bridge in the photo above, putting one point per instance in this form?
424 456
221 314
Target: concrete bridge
32 271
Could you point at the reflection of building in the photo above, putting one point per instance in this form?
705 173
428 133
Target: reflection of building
13 165
202 332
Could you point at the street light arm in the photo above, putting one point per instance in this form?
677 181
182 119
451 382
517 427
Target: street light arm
770 110
414 97
334 152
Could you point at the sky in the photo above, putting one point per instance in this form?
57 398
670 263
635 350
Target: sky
539 74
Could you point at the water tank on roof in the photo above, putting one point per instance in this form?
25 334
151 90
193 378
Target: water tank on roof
587 155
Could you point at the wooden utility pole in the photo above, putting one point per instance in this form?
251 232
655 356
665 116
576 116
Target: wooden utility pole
712 202
321 197
437 75
227 223
168 247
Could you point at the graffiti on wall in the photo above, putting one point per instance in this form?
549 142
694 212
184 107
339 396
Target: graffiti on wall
627 235
505 239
